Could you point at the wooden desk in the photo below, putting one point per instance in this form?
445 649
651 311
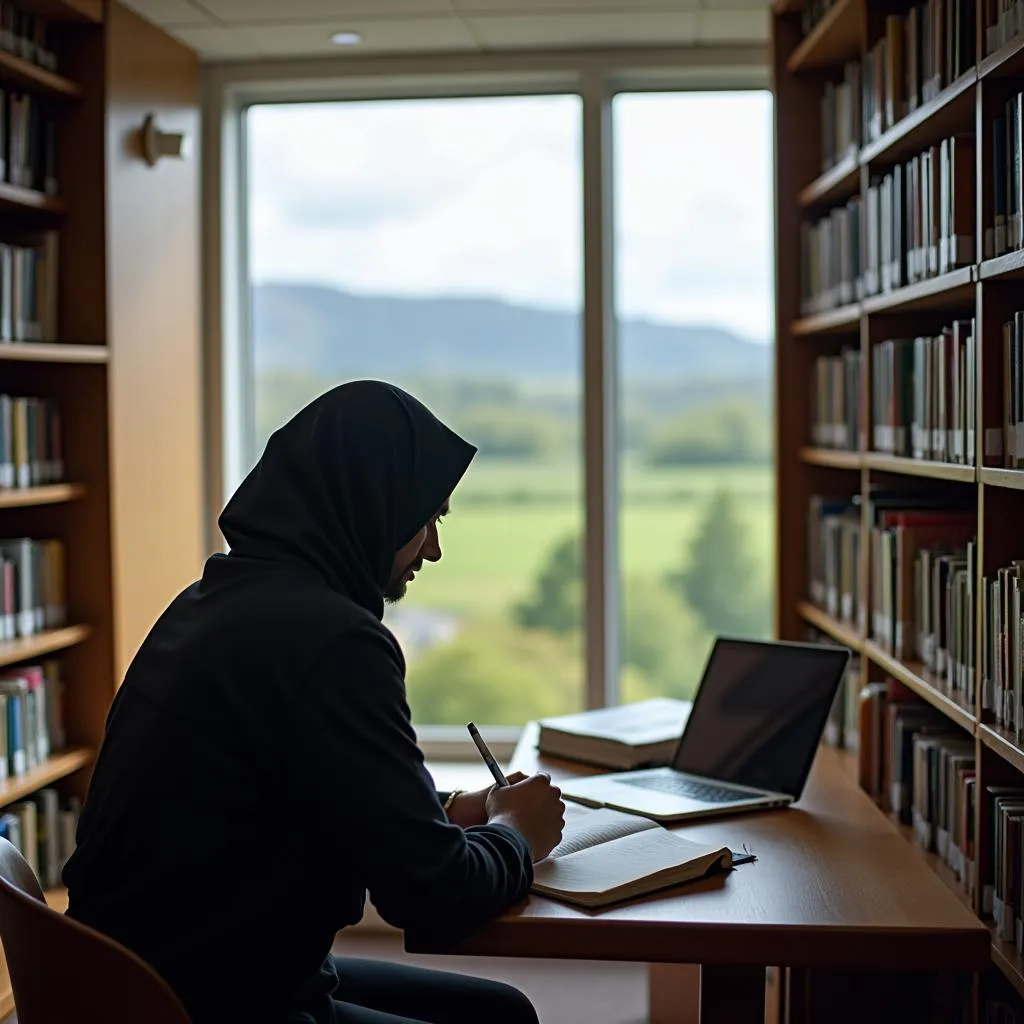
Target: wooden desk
834 886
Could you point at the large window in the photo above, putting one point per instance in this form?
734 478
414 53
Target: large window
693 215
440 244
437 244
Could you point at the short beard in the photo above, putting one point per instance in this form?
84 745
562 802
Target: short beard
395 591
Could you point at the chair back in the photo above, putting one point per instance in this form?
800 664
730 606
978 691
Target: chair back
62 970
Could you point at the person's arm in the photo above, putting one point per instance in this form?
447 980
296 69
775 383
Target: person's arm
363 773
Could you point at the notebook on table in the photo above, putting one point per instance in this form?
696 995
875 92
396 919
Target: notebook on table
606 856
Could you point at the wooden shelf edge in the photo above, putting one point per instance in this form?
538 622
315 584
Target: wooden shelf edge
14 651
24 71
995 63
1007 959
30 199
951 471
1010 479
804 56
919 682
1000 743
830 320
835 180
833 458
916 119
920 291
53 352
844 634
51 494
1010 264
57 767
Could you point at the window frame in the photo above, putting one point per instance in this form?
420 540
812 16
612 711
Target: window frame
596 77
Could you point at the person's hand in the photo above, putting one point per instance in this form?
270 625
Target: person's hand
471 808
534 808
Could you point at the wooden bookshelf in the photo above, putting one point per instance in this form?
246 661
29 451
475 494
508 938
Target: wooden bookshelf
58 767
51 494
986 291
24 74
832 457
40 352
126 374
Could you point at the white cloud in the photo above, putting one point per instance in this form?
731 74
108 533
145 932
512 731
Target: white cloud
483 197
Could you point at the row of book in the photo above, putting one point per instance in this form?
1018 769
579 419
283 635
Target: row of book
26 35
1005 446
28 142
33 591
1006 232
914 222
32 716
833 558
31 446
836 416
915 58
1002 22
43 829
28 288
924 395
1002 646
841 728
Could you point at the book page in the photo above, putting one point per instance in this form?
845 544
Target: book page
626 862
585 828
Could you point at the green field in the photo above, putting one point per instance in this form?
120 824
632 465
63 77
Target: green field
506 518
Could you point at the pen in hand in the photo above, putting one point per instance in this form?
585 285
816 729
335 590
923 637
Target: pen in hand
488 757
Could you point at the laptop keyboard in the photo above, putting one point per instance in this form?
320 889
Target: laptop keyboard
680 785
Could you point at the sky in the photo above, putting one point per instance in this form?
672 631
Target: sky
483 197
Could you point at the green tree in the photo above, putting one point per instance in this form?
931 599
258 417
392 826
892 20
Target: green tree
733 430
556 600
722 582
498 674
664 642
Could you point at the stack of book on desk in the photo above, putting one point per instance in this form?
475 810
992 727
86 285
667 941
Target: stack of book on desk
624 737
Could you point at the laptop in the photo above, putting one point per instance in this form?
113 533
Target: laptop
748 743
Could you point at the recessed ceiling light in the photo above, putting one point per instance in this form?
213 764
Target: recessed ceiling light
346 39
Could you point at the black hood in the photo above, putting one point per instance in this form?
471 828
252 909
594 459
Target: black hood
345 484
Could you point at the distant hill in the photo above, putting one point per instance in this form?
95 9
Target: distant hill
335 334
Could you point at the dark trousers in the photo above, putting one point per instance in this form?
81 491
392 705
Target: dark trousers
376 992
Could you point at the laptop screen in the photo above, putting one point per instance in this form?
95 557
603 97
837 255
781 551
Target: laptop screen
760 712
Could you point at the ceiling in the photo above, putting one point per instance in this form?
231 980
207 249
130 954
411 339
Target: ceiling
246 29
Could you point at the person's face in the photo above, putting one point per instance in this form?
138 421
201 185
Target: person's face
424 547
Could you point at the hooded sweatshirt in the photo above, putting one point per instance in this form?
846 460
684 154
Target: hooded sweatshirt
259 773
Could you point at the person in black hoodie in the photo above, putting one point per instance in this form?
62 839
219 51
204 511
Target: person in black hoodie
259 774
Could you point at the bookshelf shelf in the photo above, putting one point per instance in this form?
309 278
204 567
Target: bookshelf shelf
1009 265
1006 62
1011 479
53 352
787 6
1008 960
833 458
841 632
917 678
26 75
51 495
57 767
837 37
920 467
14 651
999 741
14 197
842 318
839 182
950 111
947 291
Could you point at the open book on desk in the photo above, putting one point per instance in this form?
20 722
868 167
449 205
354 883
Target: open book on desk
606 856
